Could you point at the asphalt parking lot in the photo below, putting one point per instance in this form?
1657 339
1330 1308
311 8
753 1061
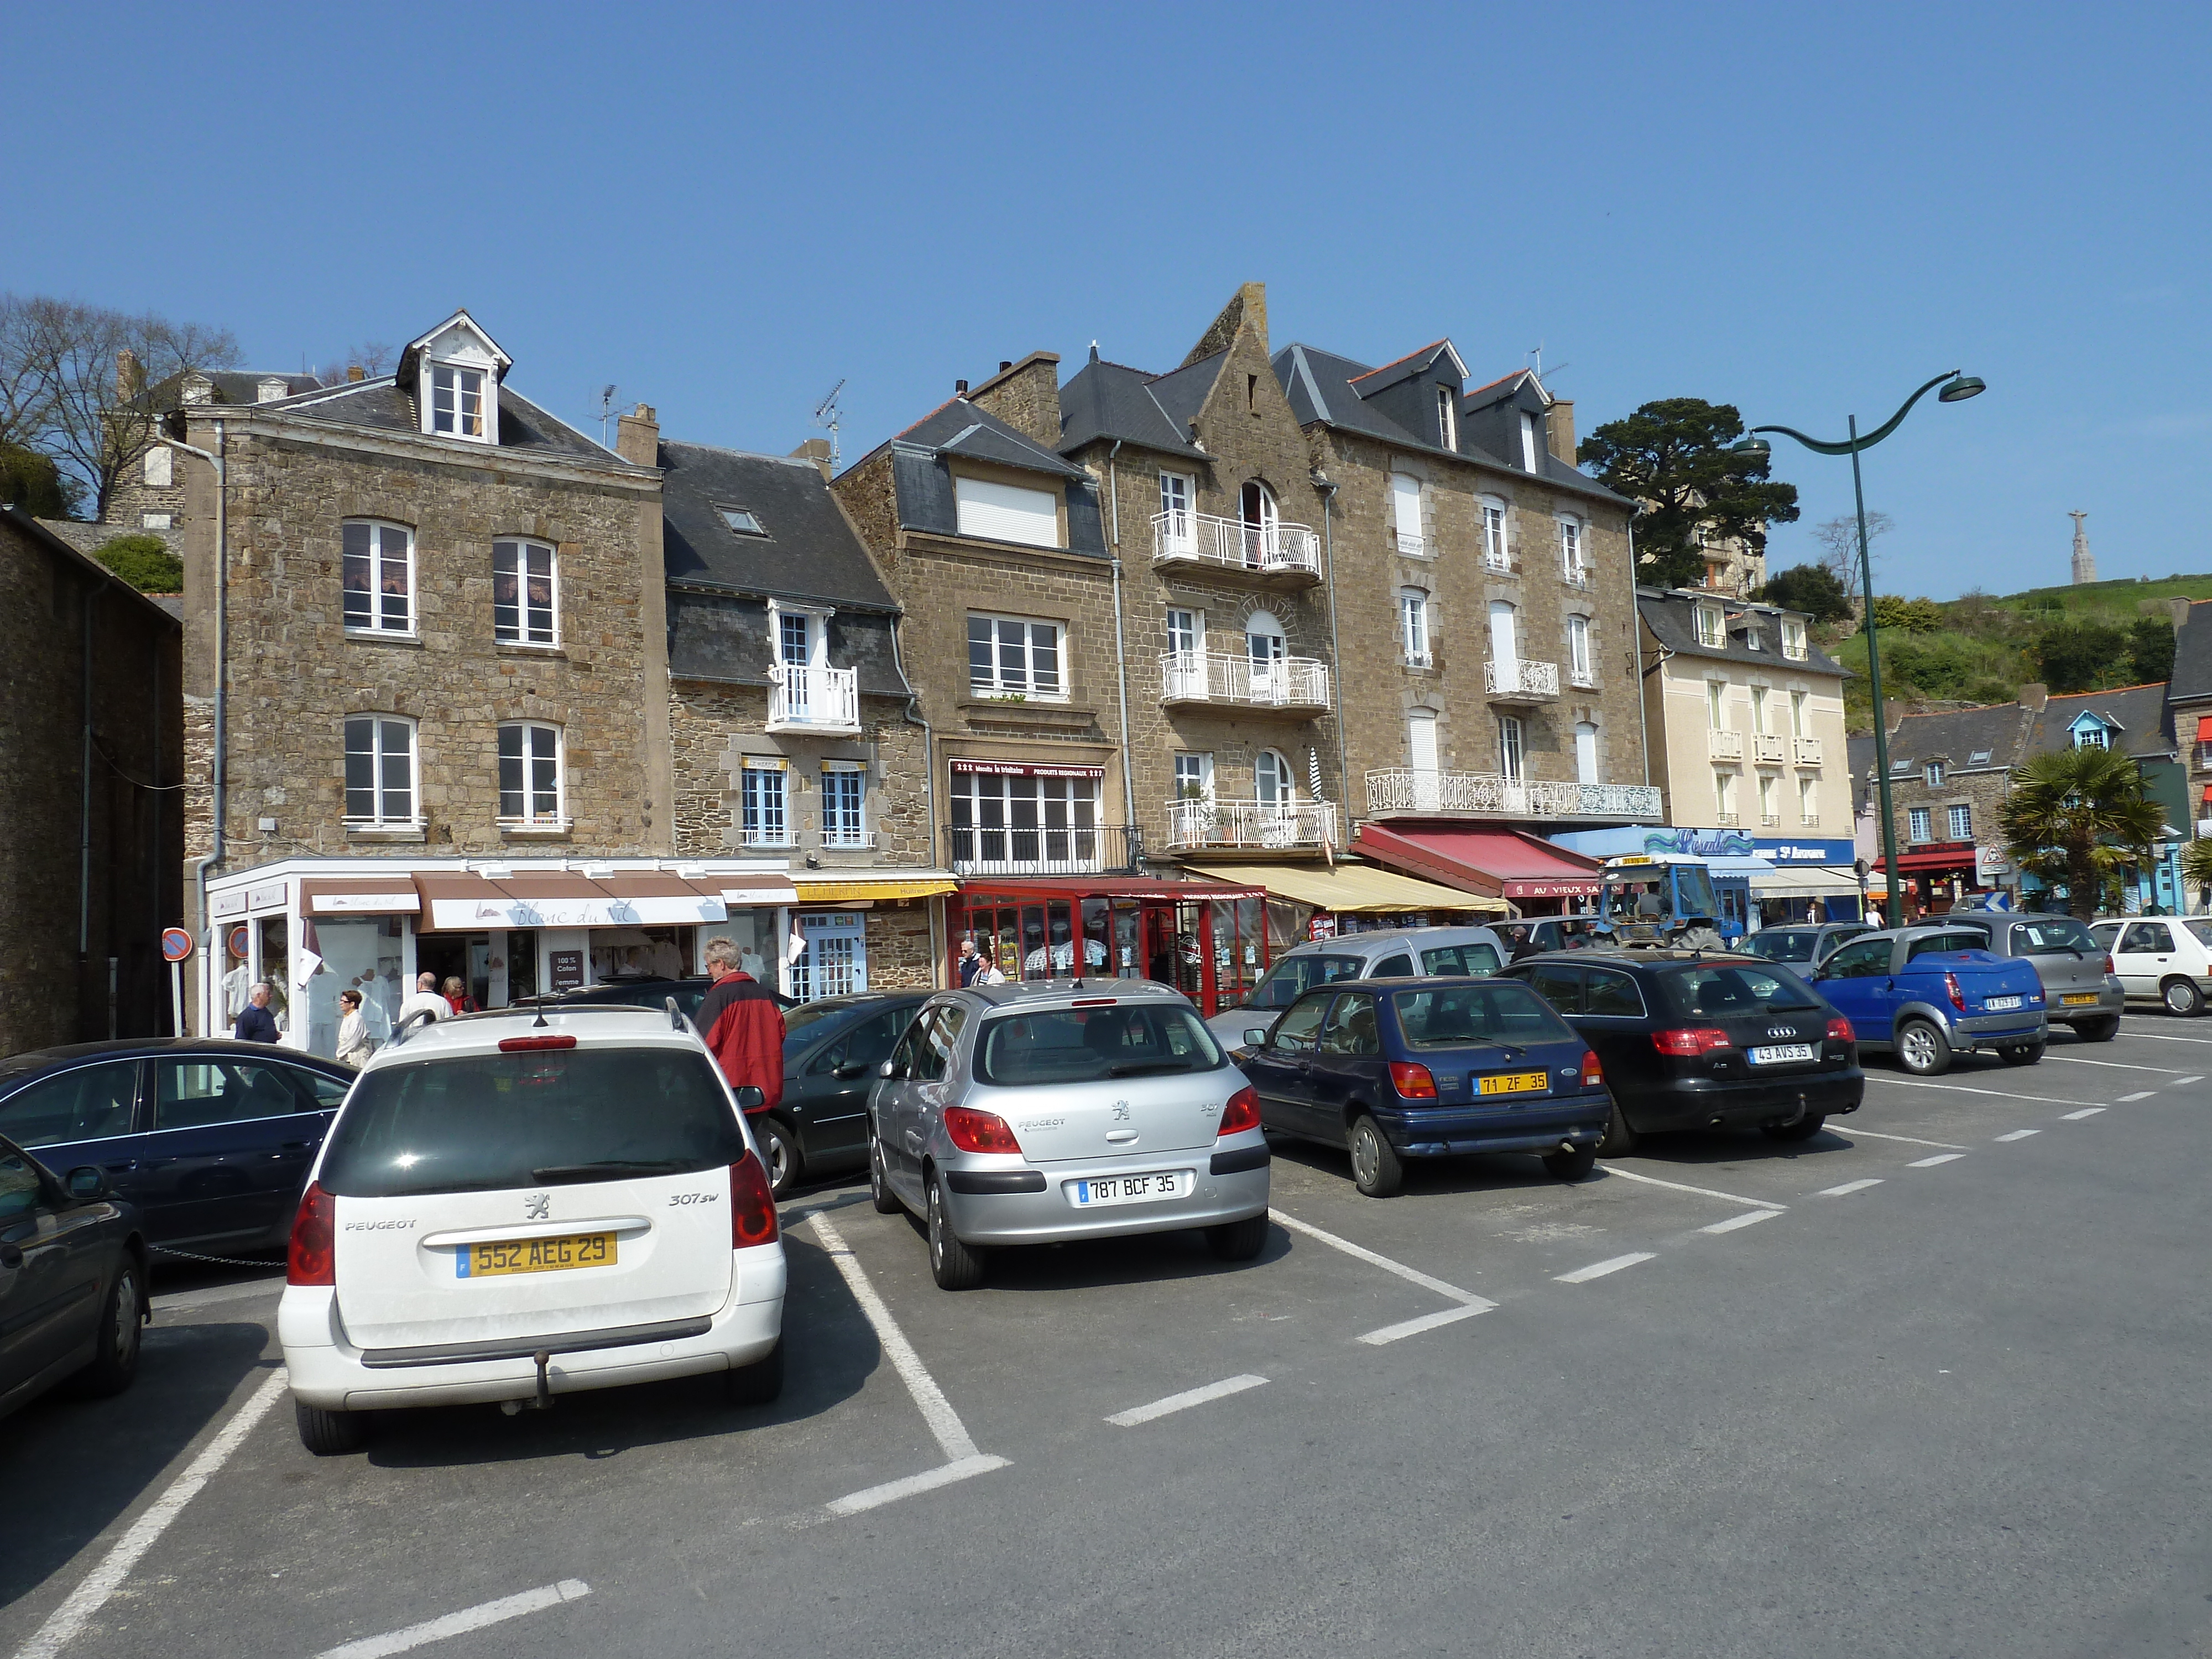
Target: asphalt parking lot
1929 1383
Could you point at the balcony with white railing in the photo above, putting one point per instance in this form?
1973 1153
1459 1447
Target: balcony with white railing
1252 825
1519 680
1295 685
824 701
1767 747
1290 551
1806 751
1399 790
1723 745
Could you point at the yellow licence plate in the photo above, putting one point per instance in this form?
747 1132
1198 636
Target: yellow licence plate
2075 999
1513 1083
534 1256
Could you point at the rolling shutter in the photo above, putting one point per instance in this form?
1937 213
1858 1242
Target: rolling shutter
1005 513
1405 499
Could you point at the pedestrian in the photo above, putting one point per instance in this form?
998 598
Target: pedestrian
424 999
255 1023
458 998
743 1025
355 1043
971 961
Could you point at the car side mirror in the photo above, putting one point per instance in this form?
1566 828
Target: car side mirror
750 1096
1255 1036
889 1068
86 1181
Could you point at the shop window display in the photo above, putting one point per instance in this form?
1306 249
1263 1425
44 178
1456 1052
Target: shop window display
643 953
364 954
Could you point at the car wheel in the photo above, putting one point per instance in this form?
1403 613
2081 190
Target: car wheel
760 1382
1922 1049
116 1361
2182 997
879 1181
329 1434
1571 1165
1376 1170
780 1152
1620 1135
1238 1241
1803 1129
2102 1029
951 1264
2022 1053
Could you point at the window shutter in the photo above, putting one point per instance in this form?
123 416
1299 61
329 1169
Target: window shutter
1005 513
1405 497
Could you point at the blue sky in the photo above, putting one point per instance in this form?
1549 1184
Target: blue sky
1802 210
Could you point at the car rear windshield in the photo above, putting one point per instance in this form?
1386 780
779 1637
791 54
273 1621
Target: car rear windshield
1781 946
1501 1011
1476 960
1087 1045
2051 936
486 1122
1294 976
1718 990
2202 930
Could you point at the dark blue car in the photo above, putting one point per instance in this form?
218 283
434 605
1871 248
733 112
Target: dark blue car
1430 1068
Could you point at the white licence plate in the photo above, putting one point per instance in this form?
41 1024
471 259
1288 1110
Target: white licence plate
1999 1005
1130 1189
1775 1053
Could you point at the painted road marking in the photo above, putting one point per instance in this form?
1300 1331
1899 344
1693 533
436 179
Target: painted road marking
177 1301
1599 1269
2087 1111
2178 1081
961 1459
2161 1037
1749 1219
1931 1162
2020 1134
1702 1191
103 1581
2139 1094
1185 1400
1425 1322
1909 1140
1849 1187
460 1624
1412 1275
2115 1065
1963 1088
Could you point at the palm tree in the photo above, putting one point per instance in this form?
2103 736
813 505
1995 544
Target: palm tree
2080 813
2196 867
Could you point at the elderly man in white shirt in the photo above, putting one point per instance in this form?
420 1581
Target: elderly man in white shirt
423 999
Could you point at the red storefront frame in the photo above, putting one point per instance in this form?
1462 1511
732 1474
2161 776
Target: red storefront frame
1131 928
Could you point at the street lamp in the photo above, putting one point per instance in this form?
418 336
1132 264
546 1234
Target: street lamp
1957 388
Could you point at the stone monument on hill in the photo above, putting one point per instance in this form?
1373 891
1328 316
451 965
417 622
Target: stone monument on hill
2085 562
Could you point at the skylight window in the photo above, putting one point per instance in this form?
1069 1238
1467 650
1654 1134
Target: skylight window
1979 757
744 520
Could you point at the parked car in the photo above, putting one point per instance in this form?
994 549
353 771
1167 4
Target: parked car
1928 993
654 993
1387 953
2164 960
2081 987
208 1140
1432 1067
1039 1112
1540 933
1689 1041
1805 946
831 1054
516 1204
72 1281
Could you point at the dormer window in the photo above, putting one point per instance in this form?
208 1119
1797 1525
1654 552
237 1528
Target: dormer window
457 401
1448 416
1793 639
2092 737
1712 627
453 372
1530 450
1932 775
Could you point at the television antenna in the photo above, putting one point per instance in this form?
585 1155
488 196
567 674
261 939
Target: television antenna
827 415
606 412
1537 366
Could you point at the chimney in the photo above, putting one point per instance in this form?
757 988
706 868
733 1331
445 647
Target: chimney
1026 397
638 440
1004 363
960 388
130 379
815 450
354 373
1248 310
2178 608
2033 695
1560 429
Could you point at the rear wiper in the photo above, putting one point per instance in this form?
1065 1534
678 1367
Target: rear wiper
611 1166
1513 1048
1139 1067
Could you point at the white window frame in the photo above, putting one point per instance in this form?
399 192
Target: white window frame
1512 749
439 378
765 813
1582 664
1793 640
380 727
1185 630
1497 553
1716 705
1932 775
1797 713
844 785
1194 769
526 630
1919 826
1410 540
1025 644
1712 627
1759 710
1770 806
1959 820
1574 565
1448 415
1275 765
1724 794
1413 627
1586 755
379 558
1809 800
534 739
2092 737
1531 451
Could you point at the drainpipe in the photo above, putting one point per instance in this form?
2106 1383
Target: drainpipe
1120 648
84 797
939 947
215 856
1636 633
1335 654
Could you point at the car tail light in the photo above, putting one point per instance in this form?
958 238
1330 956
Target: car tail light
980 1132
1951 990
2109 969
752 1205
1690 1043
523 1045
1241 1113
1414 1082
1593 1073
314 1230
1840 1031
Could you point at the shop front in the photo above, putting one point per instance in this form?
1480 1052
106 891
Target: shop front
868 931
1528 873
1330 900
1211 940
1932 877
1760 881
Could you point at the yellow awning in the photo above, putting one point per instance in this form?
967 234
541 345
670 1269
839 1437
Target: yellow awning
1350 887
847 887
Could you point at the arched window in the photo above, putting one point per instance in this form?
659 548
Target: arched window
530 781
1256 507
1273 781
525 596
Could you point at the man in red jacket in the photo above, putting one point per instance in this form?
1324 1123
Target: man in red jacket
743 1025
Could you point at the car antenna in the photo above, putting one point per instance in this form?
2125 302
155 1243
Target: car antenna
540 1004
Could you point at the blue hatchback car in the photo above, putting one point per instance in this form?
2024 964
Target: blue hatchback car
1402 1069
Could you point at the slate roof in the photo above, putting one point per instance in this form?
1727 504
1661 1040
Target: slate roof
2139 712
381 404
1671 614
1111 401
2192 654
2012 734
809 551
228 385
922 479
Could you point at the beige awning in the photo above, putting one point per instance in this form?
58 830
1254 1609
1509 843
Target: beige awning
1350 887
1816 881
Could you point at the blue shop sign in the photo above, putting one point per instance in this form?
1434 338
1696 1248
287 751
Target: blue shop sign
1704 844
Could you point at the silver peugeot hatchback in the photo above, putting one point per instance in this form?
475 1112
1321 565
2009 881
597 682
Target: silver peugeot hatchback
1037 1114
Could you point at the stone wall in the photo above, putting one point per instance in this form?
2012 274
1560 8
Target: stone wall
900 954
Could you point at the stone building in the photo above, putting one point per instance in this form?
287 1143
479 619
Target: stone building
91 749
149 492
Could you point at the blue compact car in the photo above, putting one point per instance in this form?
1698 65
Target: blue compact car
1400 1069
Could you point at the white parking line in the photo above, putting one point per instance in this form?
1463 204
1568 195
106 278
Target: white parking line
1849 1187
2115 1065
2087 1111
2162 1037
103 1581
460 1624
1470 1304
1425 1322
2178 1081
2139 1094
1966 1089
1749 1219
870 1498
1931 1162
1702 1191
2020 1134
1909 1140
1599 1269
1185 1400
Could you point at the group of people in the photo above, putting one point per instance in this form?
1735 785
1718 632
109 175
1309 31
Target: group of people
358 1036
975 968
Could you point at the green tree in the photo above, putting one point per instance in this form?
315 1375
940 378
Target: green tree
32 484
1912 615
1811 588
144 562
2197 868
2150 650
2075 815
2079 655
1673 455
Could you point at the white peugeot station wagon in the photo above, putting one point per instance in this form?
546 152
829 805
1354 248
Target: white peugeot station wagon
510 1207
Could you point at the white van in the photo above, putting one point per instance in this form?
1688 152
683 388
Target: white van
514 1205
1385 953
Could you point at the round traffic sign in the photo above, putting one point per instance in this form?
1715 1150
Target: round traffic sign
238 943
176 944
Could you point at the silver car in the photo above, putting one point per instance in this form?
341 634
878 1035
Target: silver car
2079 986
1034 1114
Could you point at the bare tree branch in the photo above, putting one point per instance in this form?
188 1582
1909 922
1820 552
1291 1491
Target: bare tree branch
1839 546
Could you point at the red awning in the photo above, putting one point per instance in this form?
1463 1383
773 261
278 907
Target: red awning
1955 857
2204 729
1497 863
977 890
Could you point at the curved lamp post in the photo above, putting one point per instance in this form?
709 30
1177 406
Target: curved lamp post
1957 388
